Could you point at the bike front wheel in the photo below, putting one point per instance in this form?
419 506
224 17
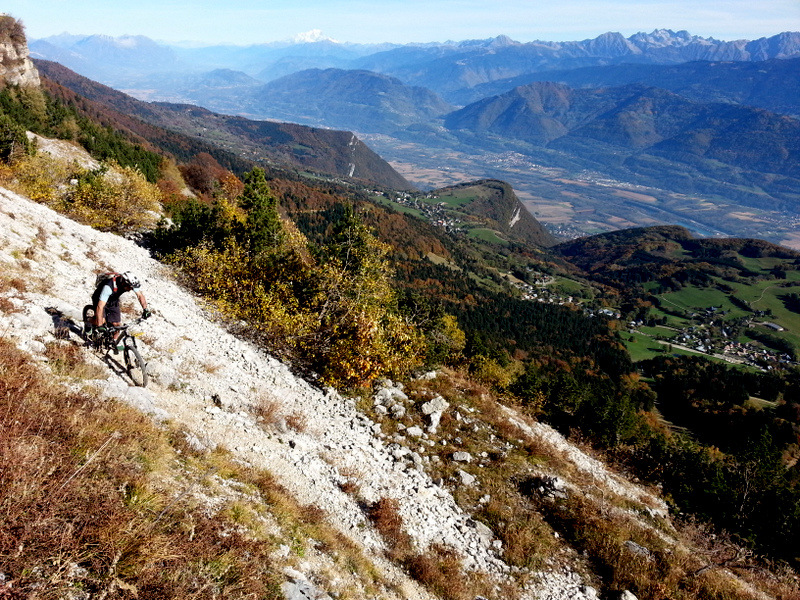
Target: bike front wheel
135 366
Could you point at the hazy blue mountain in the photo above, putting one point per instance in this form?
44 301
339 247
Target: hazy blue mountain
107 59
257 60
358 100
447 69
648 135
220 90
773 84
183 130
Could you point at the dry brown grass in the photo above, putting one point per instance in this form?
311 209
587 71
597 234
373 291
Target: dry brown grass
717 551
267 410
665 571
10 286
297 421
6 305
211 367
69 360
308 524
18 283
439 568
351 477
79 512
385 515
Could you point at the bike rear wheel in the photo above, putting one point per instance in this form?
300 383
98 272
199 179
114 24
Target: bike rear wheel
135 366
88 319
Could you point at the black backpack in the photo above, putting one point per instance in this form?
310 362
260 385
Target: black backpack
104 278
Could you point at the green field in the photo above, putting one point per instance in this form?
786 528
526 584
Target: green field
659 331
456 197
381 199
487 235
571 287
693 299
642 347
760 295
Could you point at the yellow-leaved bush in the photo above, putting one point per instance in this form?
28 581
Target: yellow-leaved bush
334 311
110 198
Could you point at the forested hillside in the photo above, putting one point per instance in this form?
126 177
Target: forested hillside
185 130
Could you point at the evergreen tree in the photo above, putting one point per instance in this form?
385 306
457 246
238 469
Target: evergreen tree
263 228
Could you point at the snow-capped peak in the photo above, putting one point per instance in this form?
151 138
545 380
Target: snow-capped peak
309 37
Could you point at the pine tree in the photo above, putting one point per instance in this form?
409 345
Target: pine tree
263 229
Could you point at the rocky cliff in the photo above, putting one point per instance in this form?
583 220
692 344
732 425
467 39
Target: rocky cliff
16 67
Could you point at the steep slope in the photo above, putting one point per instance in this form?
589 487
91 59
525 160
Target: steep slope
496 203
192 360
213 386
337 153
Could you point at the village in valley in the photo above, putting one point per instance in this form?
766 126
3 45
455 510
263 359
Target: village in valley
713 331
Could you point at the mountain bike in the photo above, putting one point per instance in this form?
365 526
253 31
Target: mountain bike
102 340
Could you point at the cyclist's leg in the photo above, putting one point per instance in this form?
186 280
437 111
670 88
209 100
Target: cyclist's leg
113 316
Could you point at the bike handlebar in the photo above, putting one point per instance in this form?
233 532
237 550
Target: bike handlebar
124 326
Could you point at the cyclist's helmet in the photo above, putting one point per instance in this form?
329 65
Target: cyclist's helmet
131 279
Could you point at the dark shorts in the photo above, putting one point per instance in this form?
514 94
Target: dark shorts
113 314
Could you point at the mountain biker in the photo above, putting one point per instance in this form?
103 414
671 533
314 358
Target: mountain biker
106 298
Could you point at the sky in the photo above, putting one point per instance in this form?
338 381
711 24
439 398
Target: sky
401 21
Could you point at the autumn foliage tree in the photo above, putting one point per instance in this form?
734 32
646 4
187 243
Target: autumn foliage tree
331 307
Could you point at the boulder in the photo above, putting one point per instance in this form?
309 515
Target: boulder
466 478
637 549
436 404
414 431
434 409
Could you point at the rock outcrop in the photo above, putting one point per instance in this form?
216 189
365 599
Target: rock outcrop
16 67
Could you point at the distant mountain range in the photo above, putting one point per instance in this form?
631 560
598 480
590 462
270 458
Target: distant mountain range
667 110
447 68
185 129
361 100
647 134
772 84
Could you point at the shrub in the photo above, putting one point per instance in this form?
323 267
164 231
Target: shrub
14 142
333 310
110 198
12 29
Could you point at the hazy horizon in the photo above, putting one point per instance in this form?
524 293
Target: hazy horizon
400 21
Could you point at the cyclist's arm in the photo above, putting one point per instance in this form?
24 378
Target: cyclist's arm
142 300
100 312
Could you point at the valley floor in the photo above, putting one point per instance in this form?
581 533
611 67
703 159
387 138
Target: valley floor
574 205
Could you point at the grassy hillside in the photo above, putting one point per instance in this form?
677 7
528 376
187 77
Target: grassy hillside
709 293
